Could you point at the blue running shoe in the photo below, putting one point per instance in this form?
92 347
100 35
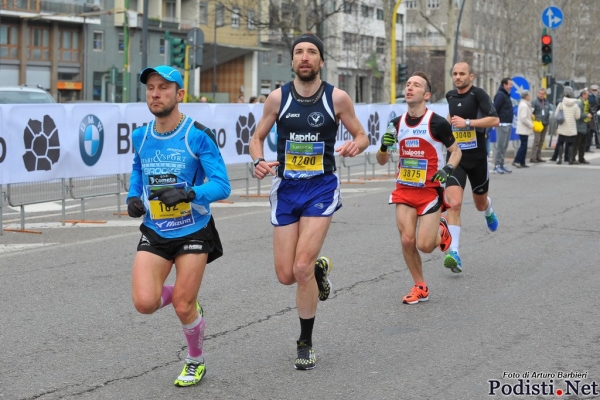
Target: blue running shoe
453 262
492 221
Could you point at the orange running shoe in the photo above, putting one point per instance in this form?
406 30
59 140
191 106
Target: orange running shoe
446 236
417 293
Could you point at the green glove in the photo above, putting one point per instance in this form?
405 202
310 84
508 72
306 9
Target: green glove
388 139
443 174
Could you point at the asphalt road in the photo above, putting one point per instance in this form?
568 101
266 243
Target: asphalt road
526 303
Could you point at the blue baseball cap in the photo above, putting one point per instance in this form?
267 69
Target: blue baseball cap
169 73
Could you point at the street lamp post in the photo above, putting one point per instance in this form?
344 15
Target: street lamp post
215 56
393 69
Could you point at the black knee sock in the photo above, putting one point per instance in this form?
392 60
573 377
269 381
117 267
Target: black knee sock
306 328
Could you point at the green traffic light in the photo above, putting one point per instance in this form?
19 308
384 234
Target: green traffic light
177 52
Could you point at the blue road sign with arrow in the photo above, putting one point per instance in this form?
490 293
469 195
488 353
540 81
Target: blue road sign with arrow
552 17
519 84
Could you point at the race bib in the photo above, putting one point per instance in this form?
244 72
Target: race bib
303 159
169 218
466 138
412 172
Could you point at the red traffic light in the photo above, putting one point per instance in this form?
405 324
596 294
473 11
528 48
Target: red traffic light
546 40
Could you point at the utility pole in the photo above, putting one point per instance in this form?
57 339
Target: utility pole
126 53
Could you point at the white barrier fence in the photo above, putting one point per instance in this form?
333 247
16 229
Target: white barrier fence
44 144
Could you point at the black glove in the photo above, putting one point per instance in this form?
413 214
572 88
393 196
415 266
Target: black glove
135 207
171 196
443 174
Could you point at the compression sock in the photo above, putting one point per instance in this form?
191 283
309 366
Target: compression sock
489 210
306 328
194 334
455 232
166 297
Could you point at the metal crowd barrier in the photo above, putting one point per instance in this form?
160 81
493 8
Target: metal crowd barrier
24 194
96 186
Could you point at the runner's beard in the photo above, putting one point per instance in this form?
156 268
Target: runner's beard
164 113
311 77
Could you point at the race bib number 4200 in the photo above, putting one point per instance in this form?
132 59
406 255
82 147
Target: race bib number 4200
303 159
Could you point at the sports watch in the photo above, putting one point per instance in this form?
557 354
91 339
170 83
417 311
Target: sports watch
257 161
468 122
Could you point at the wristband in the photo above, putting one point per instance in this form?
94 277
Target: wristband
383 149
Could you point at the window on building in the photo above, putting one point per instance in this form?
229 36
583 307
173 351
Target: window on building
265 87
364 11
203 12
347 7
457 3
171 11
220 14
350 40
433 4
39 45
161 46
69 46
411 4
235 18
98 41
376 90
266 57
280 57
343 82
380 45
251 16
380 14
121 44
9 41
399 19
366 44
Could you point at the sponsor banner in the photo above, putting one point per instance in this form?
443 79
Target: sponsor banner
40 142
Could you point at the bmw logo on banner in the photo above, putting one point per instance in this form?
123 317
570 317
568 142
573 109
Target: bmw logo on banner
91 139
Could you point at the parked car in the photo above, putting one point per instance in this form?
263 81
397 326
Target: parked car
24 95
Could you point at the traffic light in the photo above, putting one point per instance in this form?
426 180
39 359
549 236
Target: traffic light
402 73
546 49
177 52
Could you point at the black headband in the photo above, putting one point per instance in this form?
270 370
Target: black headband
310 38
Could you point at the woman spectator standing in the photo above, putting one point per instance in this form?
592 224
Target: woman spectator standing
567 131
524 128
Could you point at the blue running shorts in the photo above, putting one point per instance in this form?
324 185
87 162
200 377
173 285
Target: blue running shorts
294 198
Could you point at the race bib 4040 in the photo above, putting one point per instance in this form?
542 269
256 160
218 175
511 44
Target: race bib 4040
303 159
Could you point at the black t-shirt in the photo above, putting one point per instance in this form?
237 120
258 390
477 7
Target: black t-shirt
439 127
473 104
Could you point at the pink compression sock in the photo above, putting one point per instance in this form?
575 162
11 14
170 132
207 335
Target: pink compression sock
194 334
166 297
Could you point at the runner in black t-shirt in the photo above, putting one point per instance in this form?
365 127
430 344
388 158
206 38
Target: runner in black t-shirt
470 111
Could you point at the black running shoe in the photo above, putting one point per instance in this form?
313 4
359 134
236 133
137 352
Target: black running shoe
306 356
323 267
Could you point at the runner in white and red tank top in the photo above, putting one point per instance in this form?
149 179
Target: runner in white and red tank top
420 180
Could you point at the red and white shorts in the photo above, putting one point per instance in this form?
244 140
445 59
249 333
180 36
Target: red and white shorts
425 200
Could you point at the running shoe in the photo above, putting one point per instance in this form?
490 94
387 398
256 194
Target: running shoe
306 356
498 170
323 267
453 262
446 236
192 374
506 169
492 221
416 294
